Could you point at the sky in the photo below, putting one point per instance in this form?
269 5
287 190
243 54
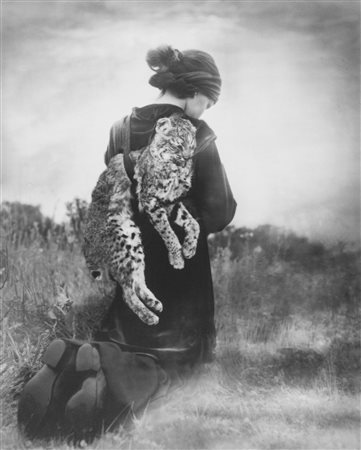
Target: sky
287 122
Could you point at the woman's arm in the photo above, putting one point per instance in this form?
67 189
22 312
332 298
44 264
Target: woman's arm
211 191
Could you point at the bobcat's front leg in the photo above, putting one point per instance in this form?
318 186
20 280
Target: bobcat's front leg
191 227
159 219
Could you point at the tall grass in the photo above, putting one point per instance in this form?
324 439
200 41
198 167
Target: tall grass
288 358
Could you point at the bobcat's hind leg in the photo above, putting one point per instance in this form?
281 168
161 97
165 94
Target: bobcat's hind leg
132 300
145 294
135 291
191 227
127 267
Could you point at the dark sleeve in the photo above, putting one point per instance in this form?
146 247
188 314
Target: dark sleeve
114 145
211 191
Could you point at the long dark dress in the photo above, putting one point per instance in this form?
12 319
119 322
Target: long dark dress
186 332
138 361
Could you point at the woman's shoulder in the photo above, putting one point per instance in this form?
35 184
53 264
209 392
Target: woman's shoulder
205 135
204 129
143 119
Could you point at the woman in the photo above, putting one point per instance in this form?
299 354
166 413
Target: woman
130 361
189 83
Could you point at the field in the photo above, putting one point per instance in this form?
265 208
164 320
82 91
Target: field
288 357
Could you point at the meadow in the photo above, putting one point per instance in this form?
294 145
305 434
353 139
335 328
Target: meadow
287 372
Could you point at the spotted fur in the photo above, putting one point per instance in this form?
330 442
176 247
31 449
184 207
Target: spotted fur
112 241
163 172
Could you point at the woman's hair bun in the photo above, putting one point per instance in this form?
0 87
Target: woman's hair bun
163 58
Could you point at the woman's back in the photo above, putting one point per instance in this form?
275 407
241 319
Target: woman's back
186 327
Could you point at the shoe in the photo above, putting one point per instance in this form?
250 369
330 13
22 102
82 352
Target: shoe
37 394
43 400
83 410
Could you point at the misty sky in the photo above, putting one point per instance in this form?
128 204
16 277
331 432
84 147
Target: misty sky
287 121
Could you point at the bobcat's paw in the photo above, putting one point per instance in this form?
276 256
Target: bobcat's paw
145 315
147 297
149 319
176 260
134 303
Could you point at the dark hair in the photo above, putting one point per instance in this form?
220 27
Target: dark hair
184 73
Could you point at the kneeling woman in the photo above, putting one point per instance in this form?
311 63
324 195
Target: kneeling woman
84 386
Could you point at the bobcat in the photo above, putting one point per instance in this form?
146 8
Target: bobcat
163 172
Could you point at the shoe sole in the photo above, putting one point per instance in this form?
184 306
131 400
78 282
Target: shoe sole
87 359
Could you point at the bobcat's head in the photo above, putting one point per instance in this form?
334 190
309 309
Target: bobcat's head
175 136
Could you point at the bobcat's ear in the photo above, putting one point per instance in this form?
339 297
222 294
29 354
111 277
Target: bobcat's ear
163 125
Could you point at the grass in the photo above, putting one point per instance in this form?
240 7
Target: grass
237 416
287 368
211 413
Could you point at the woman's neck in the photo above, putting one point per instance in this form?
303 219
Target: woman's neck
171 100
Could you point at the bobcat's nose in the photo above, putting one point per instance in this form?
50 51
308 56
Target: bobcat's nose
96 274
